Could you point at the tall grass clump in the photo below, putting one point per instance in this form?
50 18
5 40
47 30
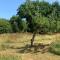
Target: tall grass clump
55 48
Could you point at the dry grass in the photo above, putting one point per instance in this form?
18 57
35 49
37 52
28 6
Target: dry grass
17 40
24 37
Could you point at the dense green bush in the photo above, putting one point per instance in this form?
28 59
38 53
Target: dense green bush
58 26
24 26
14 23
55 48
18 25
40 24
5 26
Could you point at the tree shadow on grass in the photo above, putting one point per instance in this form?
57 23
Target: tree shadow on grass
34 49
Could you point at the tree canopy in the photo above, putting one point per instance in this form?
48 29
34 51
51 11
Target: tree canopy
41 14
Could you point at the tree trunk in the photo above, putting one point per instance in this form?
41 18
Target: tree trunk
32 40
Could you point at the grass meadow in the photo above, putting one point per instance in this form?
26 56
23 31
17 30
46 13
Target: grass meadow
14 46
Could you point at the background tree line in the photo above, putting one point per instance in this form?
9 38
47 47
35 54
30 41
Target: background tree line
33 16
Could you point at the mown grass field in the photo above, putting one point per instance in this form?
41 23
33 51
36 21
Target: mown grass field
10 45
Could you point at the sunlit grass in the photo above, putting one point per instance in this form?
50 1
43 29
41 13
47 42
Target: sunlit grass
26 37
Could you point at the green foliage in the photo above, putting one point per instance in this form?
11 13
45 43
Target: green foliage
18 24
55 48
5 26
50 15
24 26
14 23
58 26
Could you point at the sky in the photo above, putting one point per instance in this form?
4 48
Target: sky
8 8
